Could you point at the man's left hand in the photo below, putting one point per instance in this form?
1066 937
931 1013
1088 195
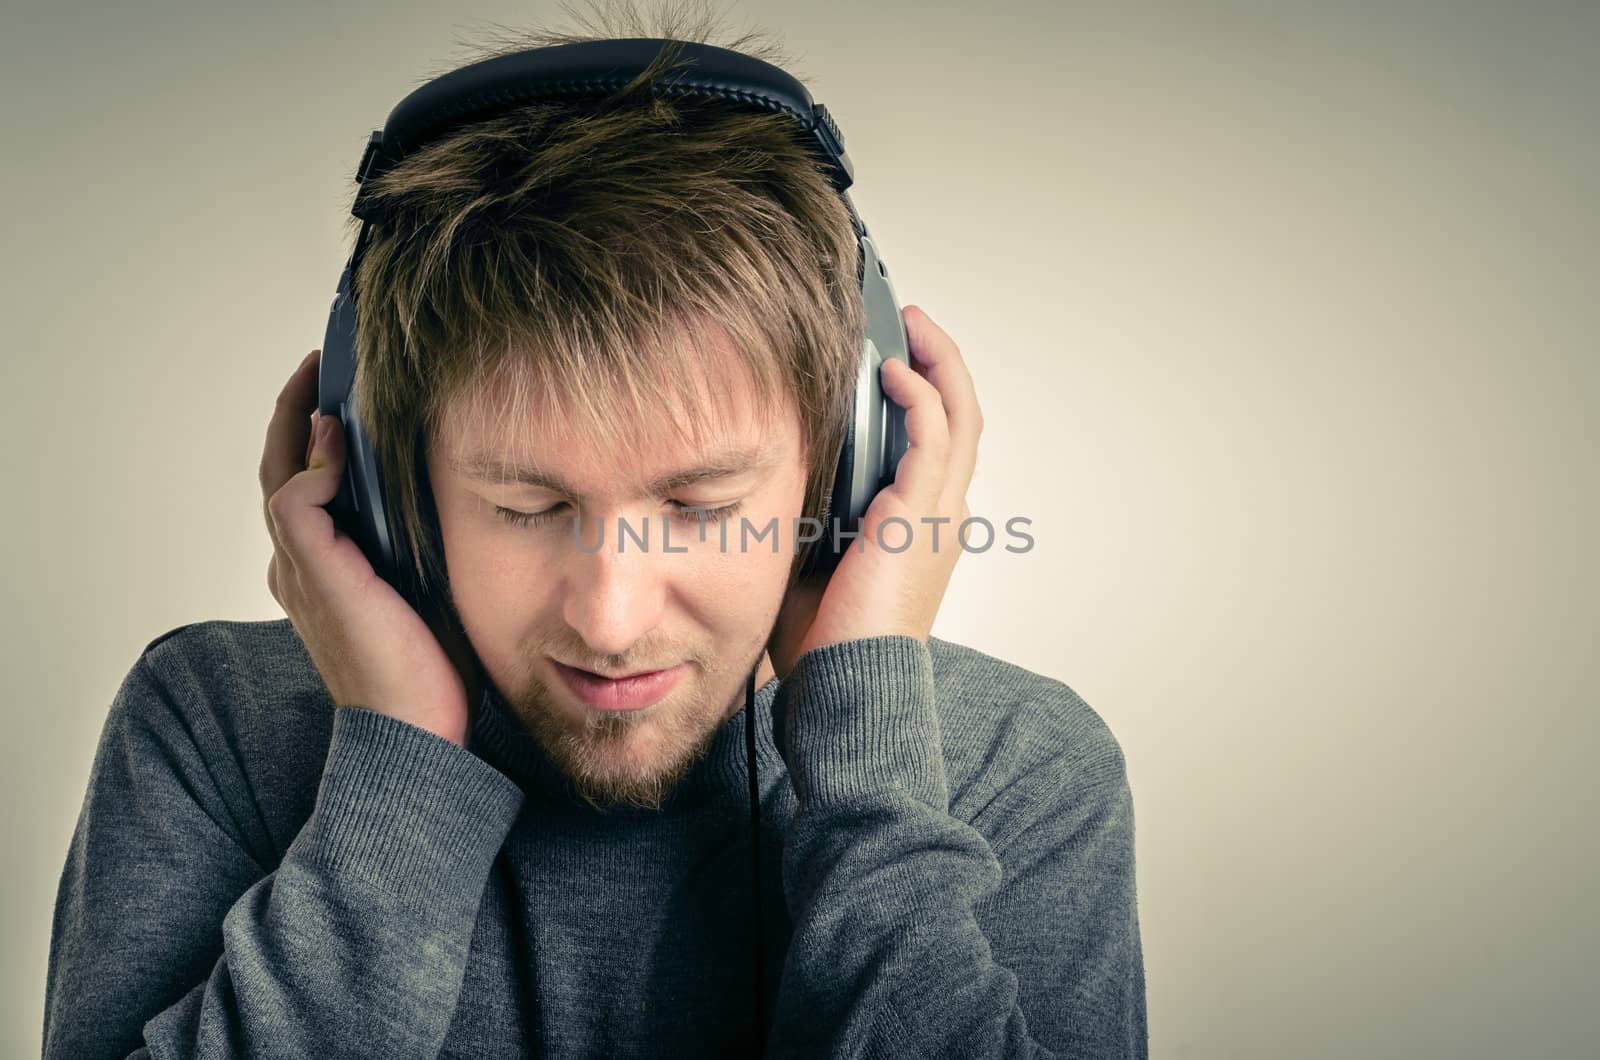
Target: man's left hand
874 591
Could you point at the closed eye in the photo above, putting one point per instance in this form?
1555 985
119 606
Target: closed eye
689 513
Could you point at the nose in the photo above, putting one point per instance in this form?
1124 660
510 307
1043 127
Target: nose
613 598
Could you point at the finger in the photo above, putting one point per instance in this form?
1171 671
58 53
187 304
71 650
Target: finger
272 528
922 471
311 441
302 526
940 360
290 427
271 472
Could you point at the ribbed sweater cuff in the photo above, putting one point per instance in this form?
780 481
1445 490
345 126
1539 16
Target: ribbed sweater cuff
406 810
859 719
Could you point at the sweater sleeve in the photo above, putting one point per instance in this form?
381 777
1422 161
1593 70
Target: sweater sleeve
887 958
170 941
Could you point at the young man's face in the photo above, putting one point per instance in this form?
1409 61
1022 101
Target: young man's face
533 602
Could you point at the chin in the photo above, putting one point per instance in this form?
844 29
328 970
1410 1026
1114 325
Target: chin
633 758
607 775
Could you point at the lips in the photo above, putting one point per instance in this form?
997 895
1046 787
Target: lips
633 692
616 677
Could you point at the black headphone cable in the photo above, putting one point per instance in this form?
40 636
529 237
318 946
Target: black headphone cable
755 850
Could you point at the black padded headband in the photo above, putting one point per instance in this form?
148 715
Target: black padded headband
493 86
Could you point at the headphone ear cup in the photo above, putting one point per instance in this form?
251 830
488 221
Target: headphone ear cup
823 559
372 525
379 528
820 560
867 461
363 508
437 586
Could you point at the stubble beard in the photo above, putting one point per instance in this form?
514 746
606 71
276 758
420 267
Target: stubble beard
622 758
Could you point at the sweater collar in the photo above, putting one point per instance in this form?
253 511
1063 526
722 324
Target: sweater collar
499 738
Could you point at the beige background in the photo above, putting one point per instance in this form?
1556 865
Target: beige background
1282 317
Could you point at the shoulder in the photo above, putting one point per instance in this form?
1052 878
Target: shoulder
1018 743
237 706
236 672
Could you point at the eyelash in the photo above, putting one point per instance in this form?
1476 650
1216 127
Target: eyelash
516 518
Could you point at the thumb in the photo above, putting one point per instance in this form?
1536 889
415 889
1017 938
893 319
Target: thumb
326 463
327 438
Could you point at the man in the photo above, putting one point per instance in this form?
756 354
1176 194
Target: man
363 831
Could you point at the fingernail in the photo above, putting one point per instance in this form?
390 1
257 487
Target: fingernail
323 429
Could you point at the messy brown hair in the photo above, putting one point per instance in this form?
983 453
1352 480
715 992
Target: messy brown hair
597 252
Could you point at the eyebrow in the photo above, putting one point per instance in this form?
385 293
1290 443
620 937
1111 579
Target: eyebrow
484 467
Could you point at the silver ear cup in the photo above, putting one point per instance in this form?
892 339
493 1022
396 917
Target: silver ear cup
888 332
880 424
875 435
861 477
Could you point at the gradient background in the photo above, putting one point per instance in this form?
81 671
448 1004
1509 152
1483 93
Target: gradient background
1282 317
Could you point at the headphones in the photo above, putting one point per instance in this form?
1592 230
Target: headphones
875 434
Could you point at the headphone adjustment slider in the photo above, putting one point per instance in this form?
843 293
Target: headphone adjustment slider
374 142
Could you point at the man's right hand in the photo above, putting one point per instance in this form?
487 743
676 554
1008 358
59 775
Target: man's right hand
371 647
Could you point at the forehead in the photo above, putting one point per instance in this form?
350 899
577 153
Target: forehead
625 422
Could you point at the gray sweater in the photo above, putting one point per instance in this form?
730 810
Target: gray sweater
947 871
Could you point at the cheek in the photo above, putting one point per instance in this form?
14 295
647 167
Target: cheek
493 563
729 590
